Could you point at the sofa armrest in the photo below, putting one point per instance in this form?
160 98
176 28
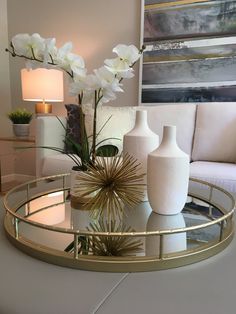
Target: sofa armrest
49 132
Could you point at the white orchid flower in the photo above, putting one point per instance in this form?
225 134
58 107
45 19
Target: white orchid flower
78 85
50 46
110 89
76 63
20 43
87 84
117 66
108 79
70 61
50 50
108 95
130 54
93 82
62 53
109 84
29 46
104 76
126 74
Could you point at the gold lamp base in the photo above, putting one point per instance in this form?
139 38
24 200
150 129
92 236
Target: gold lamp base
43 108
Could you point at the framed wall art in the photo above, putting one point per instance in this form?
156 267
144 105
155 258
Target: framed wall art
190 53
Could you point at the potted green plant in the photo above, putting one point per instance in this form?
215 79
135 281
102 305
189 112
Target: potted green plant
20 118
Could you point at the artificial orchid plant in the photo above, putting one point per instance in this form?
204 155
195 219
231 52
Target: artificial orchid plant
97 88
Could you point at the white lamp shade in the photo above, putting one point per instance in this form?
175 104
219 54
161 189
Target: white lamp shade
42 85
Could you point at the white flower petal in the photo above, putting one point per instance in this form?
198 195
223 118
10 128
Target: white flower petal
126 74
50 51
37 44
130 53
20 43
117 65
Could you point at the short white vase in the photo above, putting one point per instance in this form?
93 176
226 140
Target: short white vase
139 142
167 175
172 243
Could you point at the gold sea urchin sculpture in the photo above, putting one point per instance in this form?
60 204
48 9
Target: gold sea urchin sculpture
110 185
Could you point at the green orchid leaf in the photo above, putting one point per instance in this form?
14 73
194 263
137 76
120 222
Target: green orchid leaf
70 247
83 246
107 151
82 150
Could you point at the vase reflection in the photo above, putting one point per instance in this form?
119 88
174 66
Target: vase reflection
80 218
171 243
137 217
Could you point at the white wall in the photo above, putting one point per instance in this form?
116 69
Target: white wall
7 163
5 103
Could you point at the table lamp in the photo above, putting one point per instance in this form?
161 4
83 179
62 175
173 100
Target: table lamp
42 85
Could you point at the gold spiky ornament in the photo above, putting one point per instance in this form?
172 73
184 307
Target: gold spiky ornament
110 185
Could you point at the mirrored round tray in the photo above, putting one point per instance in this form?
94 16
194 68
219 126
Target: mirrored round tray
40 221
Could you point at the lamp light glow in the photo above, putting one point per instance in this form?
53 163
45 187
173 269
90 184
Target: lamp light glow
42 85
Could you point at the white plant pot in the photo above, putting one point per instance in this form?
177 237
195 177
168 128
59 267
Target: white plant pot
139 142
73 176
21 130
168 175
74 181
171 243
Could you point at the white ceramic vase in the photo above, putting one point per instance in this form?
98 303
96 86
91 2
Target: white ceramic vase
172 243
139 142
167 175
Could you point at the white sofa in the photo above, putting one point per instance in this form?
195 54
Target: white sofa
205 131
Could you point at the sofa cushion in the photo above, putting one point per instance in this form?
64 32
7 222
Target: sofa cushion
56 164
123 119
215 133
181 115
117 121
218 173
49 132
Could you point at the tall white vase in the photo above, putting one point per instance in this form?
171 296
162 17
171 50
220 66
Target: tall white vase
167 175
139 142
